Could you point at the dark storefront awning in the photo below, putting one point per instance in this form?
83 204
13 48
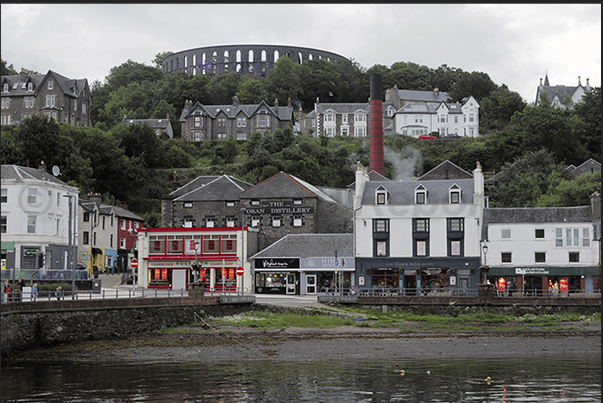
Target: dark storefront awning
97 251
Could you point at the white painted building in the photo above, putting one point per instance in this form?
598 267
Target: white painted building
35 219
420 236
446 118
528 247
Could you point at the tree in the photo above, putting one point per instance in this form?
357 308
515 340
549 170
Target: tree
7 70
523 182
284 80
588 129
160 57
575 192
252 91
497 109
477 84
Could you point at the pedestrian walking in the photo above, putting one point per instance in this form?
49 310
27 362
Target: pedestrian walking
59 293
34 292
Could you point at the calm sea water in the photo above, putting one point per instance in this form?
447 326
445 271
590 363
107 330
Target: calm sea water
542 378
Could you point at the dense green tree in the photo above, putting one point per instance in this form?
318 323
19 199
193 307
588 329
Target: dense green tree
284 81
496 109
140 143
411 76
523 182
320 80
575 192
252 91
477 84
222 87
588 129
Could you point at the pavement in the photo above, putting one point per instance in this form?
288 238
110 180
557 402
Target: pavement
113 282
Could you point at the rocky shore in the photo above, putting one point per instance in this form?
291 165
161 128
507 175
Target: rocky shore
231 343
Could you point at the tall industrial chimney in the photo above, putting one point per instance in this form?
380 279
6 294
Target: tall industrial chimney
376 126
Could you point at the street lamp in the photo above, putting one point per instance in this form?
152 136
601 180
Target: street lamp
70 248
485 250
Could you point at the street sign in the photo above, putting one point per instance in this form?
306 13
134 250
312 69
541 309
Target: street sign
240 271
134 263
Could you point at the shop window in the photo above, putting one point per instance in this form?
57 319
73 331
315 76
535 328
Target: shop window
505 257
539 233
175 244
574 257
211 244
540 257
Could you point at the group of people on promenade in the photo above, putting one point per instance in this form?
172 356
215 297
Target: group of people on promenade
20 292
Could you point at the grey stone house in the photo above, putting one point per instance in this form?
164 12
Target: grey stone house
220 122
344 119
64 99
275 207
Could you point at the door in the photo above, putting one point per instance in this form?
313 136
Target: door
463 287
178 279
290 283
311 284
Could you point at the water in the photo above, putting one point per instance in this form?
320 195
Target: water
542 378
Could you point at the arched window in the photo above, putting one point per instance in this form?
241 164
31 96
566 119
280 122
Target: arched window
299 57
275 56
225 56
251 56
238 56
310 56
263 55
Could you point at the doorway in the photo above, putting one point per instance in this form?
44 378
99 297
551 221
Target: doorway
311 284
290 283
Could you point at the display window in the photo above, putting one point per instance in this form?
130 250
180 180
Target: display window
160 278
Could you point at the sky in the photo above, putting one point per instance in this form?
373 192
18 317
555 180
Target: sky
515 44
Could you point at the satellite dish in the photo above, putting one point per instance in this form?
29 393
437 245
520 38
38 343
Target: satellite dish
56 171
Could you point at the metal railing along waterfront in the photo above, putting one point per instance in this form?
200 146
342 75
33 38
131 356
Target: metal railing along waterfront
469 292
111 293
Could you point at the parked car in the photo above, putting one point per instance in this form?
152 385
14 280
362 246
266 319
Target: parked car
426 137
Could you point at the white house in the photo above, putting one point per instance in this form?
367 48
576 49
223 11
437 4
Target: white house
530 247
446 118
35 220
419 236
561 96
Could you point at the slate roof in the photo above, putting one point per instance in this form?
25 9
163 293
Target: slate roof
535 215
309 245
284 185
223 187
412 108
69 86
122 212
446 170
201 181
422 96
232 111
17 172
403 192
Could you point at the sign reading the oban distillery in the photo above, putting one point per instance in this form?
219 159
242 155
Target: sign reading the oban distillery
277 263
278 208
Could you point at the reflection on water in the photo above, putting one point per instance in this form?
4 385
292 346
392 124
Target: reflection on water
572 378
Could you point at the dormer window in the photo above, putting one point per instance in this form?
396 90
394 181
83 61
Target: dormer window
5 87
381 195
420 195
454 194
29 86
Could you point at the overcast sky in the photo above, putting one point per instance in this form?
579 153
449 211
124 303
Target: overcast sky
515 44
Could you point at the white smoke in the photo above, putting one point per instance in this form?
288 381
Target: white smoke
405 163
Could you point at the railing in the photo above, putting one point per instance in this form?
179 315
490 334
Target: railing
110 293
414 292
538 293
42 275
456 292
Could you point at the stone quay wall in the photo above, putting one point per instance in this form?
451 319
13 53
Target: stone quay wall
32 325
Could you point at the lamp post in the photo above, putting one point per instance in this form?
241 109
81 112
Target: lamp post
70 248
243 251
485 250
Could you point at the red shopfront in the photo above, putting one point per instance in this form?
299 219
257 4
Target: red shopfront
180 256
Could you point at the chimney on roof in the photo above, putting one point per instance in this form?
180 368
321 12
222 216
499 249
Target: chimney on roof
289 102
579 83
42 166
235 101
276 104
